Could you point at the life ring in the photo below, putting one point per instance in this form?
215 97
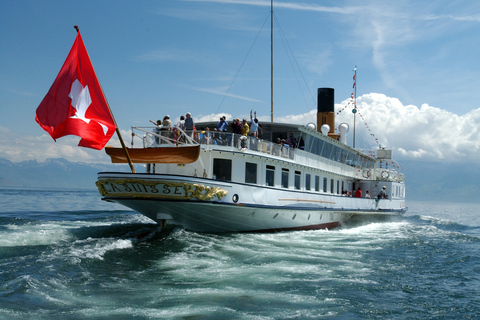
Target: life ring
385 174
242 143
366 174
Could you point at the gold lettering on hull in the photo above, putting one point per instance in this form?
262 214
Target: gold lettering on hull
138 188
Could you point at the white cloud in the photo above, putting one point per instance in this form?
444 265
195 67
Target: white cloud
426 133
17 148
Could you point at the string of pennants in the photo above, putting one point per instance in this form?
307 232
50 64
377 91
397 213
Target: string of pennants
356 110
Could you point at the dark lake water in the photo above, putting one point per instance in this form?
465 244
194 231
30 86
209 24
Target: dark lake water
68 255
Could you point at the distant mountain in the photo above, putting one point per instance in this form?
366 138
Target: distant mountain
456 182
425 180
53 173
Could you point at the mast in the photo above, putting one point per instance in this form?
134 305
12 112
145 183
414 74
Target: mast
271 60
354 103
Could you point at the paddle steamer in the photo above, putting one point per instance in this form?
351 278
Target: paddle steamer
232 183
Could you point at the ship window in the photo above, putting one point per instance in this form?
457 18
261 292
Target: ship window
324 184
338 187
307 181
321 145
317 183
222 169
332 186
327 150
343 186
297 180
270 176
250 172
284 178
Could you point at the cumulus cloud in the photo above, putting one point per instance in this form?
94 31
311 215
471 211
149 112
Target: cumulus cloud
422 133
426 133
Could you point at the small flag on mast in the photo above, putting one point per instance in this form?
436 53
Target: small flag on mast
75 103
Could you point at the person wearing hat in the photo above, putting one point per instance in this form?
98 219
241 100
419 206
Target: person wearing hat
166 124
383 193
166 121
189 124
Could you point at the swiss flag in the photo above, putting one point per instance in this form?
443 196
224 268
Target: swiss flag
75 103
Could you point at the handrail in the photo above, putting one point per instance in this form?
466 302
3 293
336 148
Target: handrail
162 136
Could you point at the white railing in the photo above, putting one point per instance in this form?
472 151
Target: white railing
162 137
242 142
389 171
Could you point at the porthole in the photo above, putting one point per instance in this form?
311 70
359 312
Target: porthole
235 198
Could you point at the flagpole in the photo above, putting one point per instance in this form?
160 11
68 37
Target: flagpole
271 60
113 118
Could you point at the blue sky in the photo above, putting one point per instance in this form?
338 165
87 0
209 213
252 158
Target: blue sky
417 78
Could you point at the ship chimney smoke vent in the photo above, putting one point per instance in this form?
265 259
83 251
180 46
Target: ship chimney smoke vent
326 110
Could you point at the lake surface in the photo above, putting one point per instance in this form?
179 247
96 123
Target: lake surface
68 255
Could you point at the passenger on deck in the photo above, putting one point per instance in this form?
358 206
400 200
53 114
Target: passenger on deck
291 141
253 125
207 136
382 194
181 123
358 193
222 125
260 131
236 126
158 126
276 147
176 136
166 125
189 124
245 127
367 194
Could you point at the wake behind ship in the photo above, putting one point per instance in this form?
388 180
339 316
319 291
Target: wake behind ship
227 182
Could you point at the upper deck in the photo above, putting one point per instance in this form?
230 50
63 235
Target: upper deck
313 149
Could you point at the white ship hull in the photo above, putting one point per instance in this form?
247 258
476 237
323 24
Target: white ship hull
207 205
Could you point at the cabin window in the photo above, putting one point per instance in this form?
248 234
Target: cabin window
327 150
338 187
324 184
307 181
317 183
332 186
222 169
250 172
270 176
297 180
321 145
284 178
343 186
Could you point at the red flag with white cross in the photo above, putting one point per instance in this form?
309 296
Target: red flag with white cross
75 103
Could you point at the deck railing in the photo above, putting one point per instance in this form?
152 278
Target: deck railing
156 137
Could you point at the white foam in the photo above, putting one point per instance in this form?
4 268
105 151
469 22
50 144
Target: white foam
33 235
97 248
